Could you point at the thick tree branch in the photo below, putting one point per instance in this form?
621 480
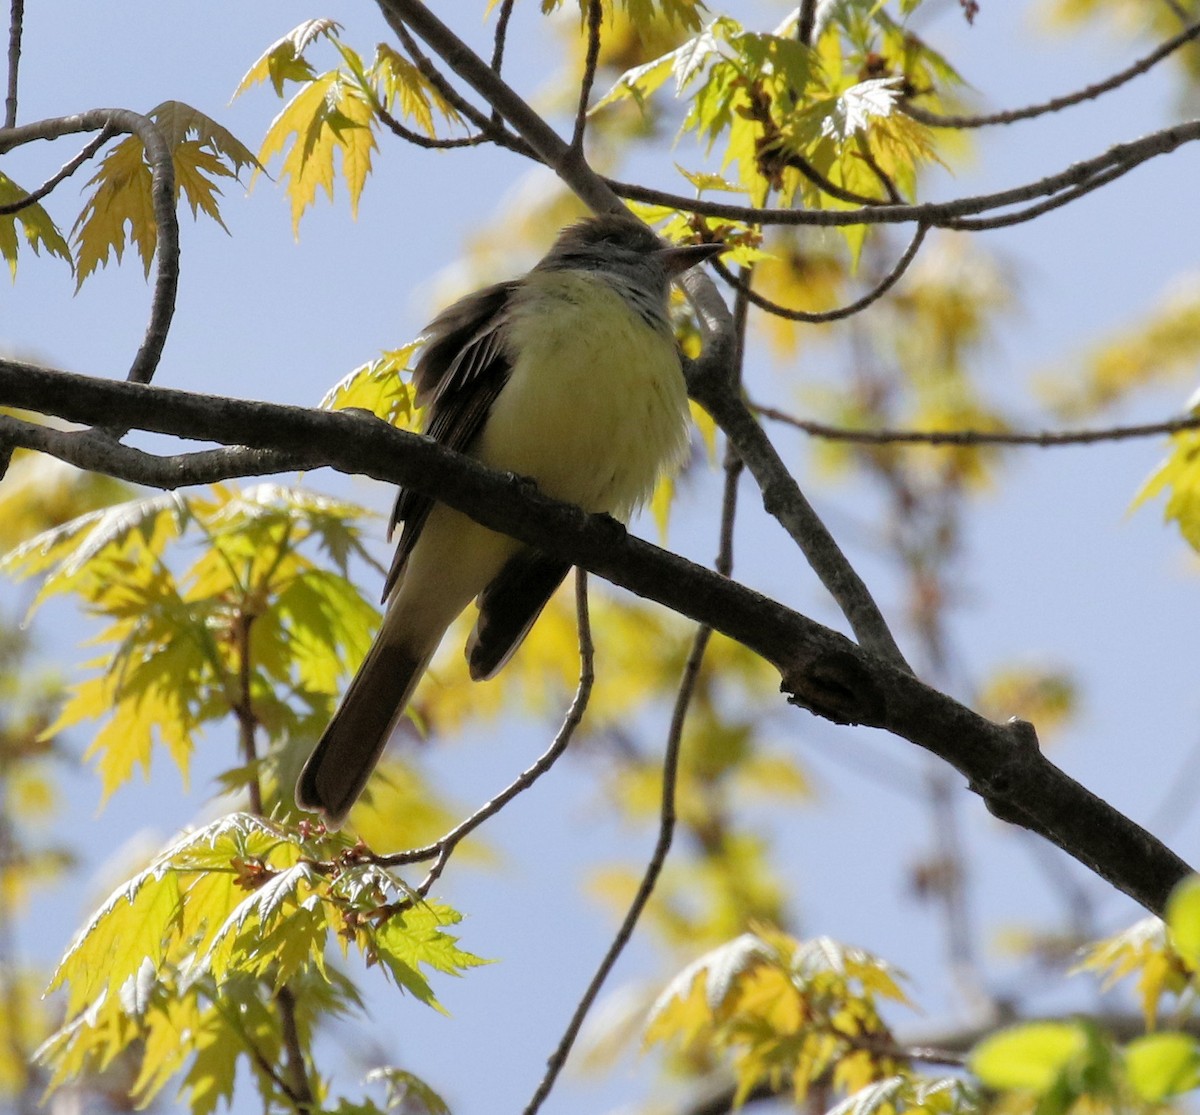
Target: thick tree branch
820 669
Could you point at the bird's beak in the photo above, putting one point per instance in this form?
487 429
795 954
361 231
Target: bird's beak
680 259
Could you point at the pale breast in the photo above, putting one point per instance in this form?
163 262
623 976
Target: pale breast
596 406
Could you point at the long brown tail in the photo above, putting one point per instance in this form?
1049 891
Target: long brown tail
347 752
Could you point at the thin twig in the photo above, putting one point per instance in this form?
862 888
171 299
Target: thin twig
244 713
894 197
233 1019
820 317
662 846
807 22
1121 157
430 143
1044 440
162 191
299 1085
549 147
1007 220
16 20
595 14
666 830
1056 104
501 36
798 162
67 169
486 124
441 849
920 1054
293 1079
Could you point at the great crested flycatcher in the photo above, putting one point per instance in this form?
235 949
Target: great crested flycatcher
569 375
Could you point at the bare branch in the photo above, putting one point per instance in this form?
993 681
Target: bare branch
712 386
667 818
299 1089
807 22
1057 104
430 143
1006 220
487 125
1113 163
595 13
979 437
162 178
98 452
64 172
501 36
820 669
797 162
550 148
820 317
658 858
16 20
442 849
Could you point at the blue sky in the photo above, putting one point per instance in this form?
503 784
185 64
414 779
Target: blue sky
1057 570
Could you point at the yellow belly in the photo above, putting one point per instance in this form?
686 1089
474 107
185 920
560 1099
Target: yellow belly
596 405
594 411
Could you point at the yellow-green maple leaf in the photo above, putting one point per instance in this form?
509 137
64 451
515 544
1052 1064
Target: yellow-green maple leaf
284 59
36 226
328 117
121 205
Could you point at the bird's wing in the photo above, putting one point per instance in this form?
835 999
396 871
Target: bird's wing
508 608
462 369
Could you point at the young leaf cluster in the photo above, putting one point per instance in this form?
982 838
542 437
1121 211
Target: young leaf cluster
254 625
334 115
788 1013
1054 1067
781 111
182 962
120 205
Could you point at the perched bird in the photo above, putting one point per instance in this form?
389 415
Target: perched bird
569 375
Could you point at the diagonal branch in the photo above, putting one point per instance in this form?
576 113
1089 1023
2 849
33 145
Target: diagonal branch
595 15
441 849
820 670
567 162
64 172
654 867
1057 104
710 384
1118 160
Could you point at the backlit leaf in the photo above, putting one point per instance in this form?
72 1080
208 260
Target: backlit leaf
37 228
1028 1057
